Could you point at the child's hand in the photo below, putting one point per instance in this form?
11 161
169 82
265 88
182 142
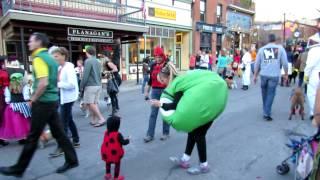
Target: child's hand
155 103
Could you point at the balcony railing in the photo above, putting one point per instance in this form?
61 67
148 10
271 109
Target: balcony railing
90 9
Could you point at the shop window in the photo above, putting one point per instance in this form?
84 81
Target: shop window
172 33
219 39
152 31
166 32
159 32
205 41
203 10
219 13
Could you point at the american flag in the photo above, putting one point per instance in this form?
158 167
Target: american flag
143 8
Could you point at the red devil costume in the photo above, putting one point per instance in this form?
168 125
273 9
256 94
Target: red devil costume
111 149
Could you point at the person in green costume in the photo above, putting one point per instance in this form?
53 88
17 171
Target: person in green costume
197 133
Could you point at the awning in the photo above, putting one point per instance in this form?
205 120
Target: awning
54 19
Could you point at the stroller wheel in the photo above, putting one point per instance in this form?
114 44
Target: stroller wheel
283 168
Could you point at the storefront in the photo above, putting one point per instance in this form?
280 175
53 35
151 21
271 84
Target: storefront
169 28
208 32
72 33
239 23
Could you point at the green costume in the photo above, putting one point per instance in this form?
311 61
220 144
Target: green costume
204 98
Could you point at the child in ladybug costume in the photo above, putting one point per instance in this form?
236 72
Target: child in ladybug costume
111 149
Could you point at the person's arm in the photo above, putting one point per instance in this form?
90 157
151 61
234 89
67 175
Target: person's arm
86 72
113 67
311 62
148 86
284 61
173 105
122 140
257 66
7 95
70 82
26 94
219 62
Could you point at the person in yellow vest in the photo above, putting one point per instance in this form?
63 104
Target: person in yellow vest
44 99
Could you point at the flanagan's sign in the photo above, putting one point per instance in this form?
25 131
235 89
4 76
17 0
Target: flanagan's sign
90 35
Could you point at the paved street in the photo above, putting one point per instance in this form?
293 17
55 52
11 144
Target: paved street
241 146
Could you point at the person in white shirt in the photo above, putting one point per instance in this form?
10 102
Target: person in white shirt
69 92
246 65
204 61
312 69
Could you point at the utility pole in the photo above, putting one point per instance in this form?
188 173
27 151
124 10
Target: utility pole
284 29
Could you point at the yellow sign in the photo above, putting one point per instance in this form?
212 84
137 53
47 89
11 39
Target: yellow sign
162 13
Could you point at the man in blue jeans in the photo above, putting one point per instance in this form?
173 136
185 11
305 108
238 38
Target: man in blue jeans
157 89
269 60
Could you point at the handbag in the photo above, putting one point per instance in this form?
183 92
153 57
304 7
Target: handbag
112 85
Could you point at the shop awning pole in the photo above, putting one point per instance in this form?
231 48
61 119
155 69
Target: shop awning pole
138 57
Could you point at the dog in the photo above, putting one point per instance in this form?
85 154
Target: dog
297 103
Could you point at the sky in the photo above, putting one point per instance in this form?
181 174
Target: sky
273 10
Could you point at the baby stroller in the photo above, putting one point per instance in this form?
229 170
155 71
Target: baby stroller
303 151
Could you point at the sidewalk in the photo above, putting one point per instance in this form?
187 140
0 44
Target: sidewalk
129 85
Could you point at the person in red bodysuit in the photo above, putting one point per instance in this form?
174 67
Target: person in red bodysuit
4 82
111 149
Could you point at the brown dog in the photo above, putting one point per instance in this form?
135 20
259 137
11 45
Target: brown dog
297 102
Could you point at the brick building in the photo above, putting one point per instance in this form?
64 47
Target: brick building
221 24
209 19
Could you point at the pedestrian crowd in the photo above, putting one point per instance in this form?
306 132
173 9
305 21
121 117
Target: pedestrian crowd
56 85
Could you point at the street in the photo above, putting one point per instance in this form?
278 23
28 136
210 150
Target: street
241 145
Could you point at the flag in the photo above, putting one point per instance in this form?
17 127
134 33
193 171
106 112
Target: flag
143 8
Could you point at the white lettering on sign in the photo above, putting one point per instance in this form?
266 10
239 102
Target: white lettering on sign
85 39
207 28
89 33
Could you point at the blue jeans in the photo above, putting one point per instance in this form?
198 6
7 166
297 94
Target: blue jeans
145 81
67 121
268 88
155 94
252 67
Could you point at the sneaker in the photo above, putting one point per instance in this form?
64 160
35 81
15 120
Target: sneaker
108 177
311 117
76 144
58 152
148 139
181 163
267 118
198 170
164 137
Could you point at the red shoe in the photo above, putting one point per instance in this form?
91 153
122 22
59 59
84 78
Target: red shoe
119 178
108 177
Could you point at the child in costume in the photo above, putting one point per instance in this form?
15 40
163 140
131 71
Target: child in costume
111 149
17 114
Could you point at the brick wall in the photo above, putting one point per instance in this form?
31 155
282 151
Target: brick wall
211 18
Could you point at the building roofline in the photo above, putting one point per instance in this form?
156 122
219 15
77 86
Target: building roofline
241 9
72 21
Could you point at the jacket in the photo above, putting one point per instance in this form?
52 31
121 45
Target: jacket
68 83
